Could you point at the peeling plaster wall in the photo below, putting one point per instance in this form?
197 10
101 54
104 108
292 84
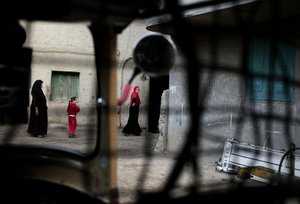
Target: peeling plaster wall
63 47
224 102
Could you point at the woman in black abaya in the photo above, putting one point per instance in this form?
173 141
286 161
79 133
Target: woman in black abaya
38 121
132 126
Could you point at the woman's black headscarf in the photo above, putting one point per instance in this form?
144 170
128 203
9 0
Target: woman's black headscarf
37 88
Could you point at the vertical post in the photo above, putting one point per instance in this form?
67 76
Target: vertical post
292 160
105 40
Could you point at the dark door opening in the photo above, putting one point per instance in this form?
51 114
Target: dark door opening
157 86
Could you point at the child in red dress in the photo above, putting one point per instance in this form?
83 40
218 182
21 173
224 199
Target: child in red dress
72 110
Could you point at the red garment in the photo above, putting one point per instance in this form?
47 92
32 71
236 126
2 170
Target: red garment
73 109
135 98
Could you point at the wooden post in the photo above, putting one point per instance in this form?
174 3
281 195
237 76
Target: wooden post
105 40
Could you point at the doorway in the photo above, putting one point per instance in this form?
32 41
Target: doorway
156 87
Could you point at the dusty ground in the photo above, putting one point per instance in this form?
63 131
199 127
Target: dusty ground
135 169
135 173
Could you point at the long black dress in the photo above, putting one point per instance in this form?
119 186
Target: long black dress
132 126
38 123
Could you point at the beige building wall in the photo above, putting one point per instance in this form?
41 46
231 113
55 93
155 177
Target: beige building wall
63 47
69 47
126 43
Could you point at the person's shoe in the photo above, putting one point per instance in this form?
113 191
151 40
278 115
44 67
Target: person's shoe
71 136
30 134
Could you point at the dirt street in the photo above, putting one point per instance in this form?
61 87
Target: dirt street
135 170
